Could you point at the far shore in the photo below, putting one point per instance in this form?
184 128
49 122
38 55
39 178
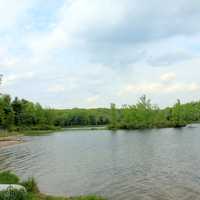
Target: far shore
12 138
86 128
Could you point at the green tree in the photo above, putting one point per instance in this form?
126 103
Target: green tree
177 117
6 111
113 123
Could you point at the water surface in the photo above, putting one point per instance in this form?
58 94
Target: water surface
157 164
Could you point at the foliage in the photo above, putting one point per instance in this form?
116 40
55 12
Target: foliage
46 197
19 115
145 115
30 185
32 190
113 119
7 177
25 116
12 194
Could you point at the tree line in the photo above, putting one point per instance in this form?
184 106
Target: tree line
146 115
18 114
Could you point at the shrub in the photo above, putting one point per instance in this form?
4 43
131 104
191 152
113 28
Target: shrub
30 185
12 194
7 177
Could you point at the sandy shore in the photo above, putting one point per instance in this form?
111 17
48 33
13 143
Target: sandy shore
12 140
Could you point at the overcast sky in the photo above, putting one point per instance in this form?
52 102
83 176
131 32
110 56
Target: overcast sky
89 53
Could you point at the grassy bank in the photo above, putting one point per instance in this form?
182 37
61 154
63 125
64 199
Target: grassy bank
93 128
32 189
36 131
5 134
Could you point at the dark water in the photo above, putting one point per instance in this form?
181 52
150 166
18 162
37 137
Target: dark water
159 164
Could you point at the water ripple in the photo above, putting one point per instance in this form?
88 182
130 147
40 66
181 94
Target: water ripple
129 165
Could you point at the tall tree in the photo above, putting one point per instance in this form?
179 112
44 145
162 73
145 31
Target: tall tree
113 123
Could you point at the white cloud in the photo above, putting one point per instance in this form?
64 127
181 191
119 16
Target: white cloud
93 100
75 19
13 78
160 88
97 48
168 76
56 88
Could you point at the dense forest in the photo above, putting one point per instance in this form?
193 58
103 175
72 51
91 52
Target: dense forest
20 114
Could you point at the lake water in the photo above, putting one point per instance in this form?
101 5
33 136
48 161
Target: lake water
157 164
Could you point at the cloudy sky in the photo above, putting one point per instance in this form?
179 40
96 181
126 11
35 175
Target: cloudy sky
88 53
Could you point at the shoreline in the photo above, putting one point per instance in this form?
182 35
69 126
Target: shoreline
30 189
13 138
10 140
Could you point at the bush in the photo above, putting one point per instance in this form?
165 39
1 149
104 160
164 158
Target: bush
7 177
12 194
30 185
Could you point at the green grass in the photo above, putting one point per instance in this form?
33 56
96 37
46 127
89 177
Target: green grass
36 132
30 185
33 192
46 197
8 178
13 195
5 133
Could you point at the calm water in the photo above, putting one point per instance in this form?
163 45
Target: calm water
159 164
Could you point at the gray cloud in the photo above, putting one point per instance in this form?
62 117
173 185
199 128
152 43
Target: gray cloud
90 51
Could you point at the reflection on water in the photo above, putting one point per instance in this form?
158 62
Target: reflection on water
126 165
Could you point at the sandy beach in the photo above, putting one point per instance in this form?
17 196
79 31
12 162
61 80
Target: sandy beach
12 140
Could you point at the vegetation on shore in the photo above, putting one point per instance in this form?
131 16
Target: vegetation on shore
29 118
146 115
20 115
33 192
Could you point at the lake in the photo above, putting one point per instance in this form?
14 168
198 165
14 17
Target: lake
156 164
